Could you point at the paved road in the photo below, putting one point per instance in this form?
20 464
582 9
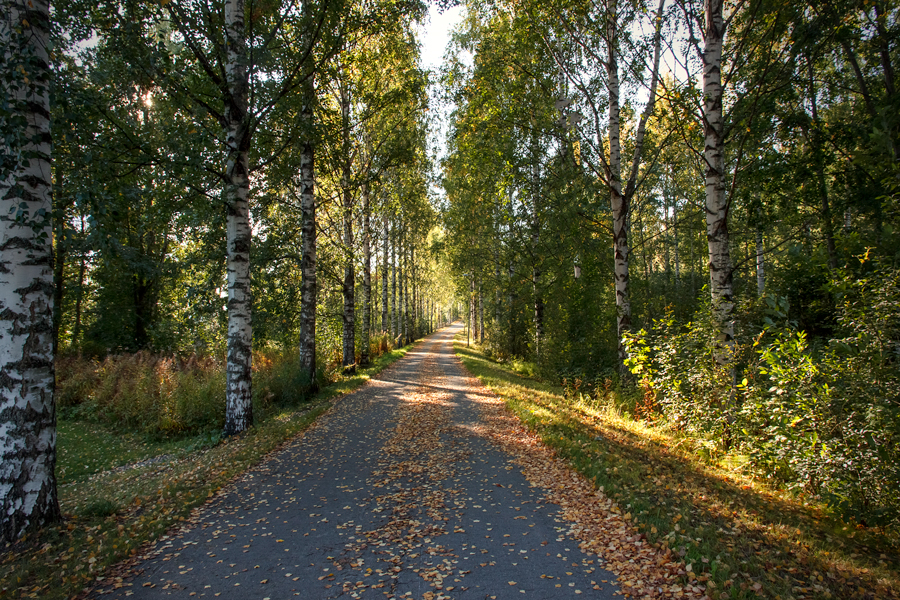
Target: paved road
391 494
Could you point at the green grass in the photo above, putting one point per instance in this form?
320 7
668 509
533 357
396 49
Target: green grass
741 539
85 449
110 512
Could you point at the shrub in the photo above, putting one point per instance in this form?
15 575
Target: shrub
675 364
818 416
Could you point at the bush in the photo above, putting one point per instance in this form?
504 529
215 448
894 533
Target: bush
821 417
278 383
676 365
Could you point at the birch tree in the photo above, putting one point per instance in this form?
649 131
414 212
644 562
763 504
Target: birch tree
27 413
238 398
309 288
720 272
606 155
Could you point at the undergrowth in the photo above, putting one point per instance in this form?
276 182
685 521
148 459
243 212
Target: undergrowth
172 396
739 538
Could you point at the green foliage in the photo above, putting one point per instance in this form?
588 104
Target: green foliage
784 411
145 392
676 363
820 419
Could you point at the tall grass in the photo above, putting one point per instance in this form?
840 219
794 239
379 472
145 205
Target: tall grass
166 395
174 396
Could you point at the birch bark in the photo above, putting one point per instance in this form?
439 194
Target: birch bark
407 330
535 243
28 497
238 406
480 316
414 284
760 263
349 317
367 279
308 283
395 323
618 202
384 278
720 271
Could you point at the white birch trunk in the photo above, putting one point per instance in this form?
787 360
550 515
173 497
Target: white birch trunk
238 405
407 333
535 250
395 323
760 263
349 284
480 316
308 284
720 272
675 235
618 202
473 324
497 288
367 279
27 414
384 278
401 275
414 284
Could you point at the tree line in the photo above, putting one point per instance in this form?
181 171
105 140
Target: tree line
206 178
696 201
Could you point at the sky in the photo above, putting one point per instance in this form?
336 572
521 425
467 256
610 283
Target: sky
434 38
436 34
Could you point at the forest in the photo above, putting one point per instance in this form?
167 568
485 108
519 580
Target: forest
694 203
209 211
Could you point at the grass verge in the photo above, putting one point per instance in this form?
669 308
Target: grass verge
738 538
120 491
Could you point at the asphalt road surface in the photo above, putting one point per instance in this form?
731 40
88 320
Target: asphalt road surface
392 494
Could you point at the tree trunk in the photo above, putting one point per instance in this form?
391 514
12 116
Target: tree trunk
414 284
349 316
79 292
816 142
675 241
667 264
619 202
760 263
720 273
308 283
535 250
473 323
367 279
510 304
407 333
384 278
401 273
395 323
238 405
480 316
27 413
497 276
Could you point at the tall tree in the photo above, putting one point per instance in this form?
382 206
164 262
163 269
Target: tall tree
28 496
238 132
720 270
308 294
